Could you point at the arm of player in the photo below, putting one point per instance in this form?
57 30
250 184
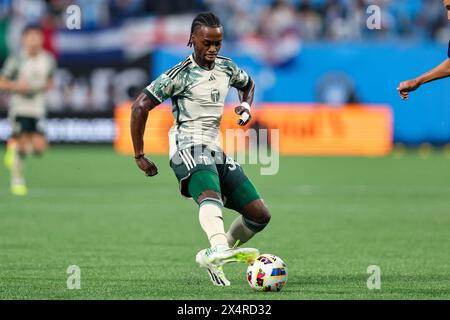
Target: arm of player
43 86
441 71
246 95
14 86
49 85
139 114
8 76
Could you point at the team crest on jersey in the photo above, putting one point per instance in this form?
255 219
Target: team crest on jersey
204 159
215 95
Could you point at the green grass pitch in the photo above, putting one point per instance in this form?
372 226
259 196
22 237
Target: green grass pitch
136 238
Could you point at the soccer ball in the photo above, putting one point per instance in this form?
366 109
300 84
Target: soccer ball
267 273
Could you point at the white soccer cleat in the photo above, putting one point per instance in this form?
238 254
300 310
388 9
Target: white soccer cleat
213 259
19 189
206 258
9 155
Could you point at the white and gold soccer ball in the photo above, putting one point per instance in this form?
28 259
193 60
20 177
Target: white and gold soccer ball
267 273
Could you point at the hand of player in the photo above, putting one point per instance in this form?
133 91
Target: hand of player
244 113
148 166
21 87
407 86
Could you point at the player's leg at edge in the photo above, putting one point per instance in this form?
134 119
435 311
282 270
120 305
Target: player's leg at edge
22 142
18 186
10 152
39 144
204 187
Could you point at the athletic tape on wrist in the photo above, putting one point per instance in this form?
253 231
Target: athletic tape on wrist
246 106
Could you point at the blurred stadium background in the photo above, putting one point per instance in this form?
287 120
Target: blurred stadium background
334 83
298 51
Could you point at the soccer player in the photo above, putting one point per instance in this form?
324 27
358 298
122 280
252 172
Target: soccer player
27 76
441 71
198 86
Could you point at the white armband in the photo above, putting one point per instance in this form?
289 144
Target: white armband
246 106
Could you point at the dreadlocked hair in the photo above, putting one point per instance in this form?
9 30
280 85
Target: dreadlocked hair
207 19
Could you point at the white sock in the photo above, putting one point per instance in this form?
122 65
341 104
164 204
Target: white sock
239 231
210 216
17 170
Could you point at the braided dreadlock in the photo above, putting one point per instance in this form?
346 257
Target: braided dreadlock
207 19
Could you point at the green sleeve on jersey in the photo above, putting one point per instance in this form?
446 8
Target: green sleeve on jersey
239 78
163 88
10 68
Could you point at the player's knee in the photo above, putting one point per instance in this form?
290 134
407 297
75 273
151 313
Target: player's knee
39 150
257 211
258 218
39 145
263 216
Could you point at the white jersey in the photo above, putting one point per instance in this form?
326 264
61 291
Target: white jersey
36 71
198 96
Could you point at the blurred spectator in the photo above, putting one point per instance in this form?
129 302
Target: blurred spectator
123 9
23 12
95 14
279 33
431 18
272 31
159 7
309 21
277 20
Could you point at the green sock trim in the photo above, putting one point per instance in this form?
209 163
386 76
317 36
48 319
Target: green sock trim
237 243
214 201
254 226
